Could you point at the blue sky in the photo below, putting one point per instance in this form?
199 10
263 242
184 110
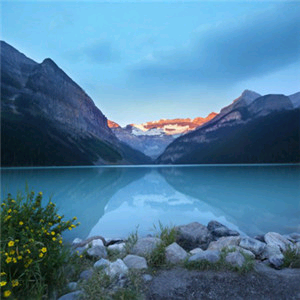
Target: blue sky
142 61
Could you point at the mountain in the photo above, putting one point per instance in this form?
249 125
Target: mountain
153 137
175 126
295 98
48 119
262 130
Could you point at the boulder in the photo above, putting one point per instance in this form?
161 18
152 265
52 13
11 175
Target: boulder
135 262
276 260
72 286
208 255
76 242
219 230
260 238
196 250
145 246
294 236
235 258
276 239
270 251
97 252
147 277
119 247
175 254
253 245
116 268
224 242
94 243
297 247
86 275
71 296
193 235
242 250
101 263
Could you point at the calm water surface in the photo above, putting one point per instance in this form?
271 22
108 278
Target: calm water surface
113 201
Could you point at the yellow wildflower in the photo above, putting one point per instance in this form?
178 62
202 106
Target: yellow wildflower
14 260
7 293
74 218
44 249
3 273
28 251
15 211
8 260
54 239
3 283
21 223
73 226
11 243
9 211
12 252
7 218
13 201
60 241
41 255
70 228
3 204
19 257
50 224
52 232
15 282
81 256
40 194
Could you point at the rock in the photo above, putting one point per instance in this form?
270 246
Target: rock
270 251
219 230
196 250
97 252
260 238
297 247
295 236
147 277
119 247
193 235
95 243
116 268
145 246
175 254
135 262
224 242
253 245
86 275
209 255
101 263
72 286
76 242
276 260
235 258
71 296
242 250
276 239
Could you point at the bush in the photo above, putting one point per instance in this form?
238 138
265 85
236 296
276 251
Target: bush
32 251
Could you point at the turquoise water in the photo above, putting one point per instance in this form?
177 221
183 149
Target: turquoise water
113 201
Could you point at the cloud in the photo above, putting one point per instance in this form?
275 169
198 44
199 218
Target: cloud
100 52
228 52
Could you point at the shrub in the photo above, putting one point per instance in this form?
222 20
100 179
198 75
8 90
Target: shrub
32 251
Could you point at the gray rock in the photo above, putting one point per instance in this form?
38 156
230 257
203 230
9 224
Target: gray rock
135 262
175 254
295 236
94 243
260 238
219 230
297 247
276 260
269 251
276 239
209 255
253 245
119 247
235 258
116 268
101 263
76 241
196 250
242 250
72 286
224 242
145 246
97 252
193 235
147 277
71 296
86 275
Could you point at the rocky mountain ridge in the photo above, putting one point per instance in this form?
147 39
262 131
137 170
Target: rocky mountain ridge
43 99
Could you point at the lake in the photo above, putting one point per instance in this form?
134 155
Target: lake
113 201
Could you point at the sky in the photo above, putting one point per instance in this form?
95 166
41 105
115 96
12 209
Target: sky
146 60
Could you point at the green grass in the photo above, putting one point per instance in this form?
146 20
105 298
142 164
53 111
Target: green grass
131 241
291 259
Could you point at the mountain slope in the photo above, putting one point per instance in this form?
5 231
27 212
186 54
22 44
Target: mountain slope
265 131
47 119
